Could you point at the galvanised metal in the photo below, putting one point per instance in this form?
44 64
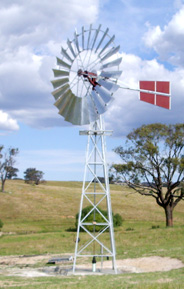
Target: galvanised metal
82 91
87 76
95 159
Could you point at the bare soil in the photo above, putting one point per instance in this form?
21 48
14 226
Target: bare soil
35 266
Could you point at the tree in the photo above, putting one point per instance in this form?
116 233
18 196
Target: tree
153 164
33 176
7 160
12 172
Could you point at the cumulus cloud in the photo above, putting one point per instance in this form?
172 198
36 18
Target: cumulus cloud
168 42
31 33
7 123
34 22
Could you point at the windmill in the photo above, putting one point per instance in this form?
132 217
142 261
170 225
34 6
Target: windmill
85 81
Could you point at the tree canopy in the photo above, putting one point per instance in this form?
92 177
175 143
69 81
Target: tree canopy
153 164
33 176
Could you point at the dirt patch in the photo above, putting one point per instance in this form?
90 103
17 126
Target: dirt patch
30 266
140 265
24 260
149 264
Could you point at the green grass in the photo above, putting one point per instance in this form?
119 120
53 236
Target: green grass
165 280
39 219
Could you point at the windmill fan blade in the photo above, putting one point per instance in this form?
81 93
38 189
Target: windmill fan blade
58 72
65 54
66 108
108 43
70 47
96 35
109 74
63 100
112 63
105 95
60 91
58 82
102 39
62 63
74 115
76 111
110 53
112 87
76 42
82 37
89 36
99 104
92 110
85 112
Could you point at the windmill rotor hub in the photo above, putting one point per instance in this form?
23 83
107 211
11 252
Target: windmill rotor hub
79 72
90 76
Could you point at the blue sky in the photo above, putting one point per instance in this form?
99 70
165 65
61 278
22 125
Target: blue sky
151 36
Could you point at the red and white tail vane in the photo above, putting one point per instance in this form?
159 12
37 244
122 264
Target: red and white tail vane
159 93
155 92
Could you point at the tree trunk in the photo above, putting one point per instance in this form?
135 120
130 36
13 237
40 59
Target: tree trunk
2 185
169 216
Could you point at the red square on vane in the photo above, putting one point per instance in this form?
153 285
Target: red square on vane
163 86
147 85
147 97
163 101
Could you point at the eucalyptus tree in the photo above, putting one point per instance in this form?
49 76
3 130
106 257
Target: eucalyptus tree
153 164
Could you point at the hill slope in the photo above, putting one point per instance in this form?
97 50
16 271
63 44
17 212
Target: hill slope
41 219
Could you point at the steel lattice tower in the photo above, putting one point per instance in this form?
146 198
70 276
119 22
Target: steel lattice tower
96 193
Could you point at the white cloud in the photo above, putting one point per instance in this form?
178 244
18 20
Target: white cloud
34 22
168 42
7 123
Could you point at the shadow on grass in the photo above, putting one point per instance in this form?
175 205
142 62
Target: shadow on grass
71 230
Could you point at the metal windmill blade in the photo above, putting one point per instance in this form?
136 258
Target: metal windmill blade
82 89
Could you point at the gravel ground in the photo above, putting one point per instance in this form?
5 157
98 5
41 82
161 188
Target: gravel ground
28 266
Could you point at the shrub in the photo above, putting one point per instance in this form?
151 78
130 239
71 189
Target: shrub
1 224
117 219
129 229
155 227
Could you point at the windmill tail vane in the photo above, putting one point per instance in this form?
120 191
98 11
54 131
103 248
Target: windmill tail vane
153 92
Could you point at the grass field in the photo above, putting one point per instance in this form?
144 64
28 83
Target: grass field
41 218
